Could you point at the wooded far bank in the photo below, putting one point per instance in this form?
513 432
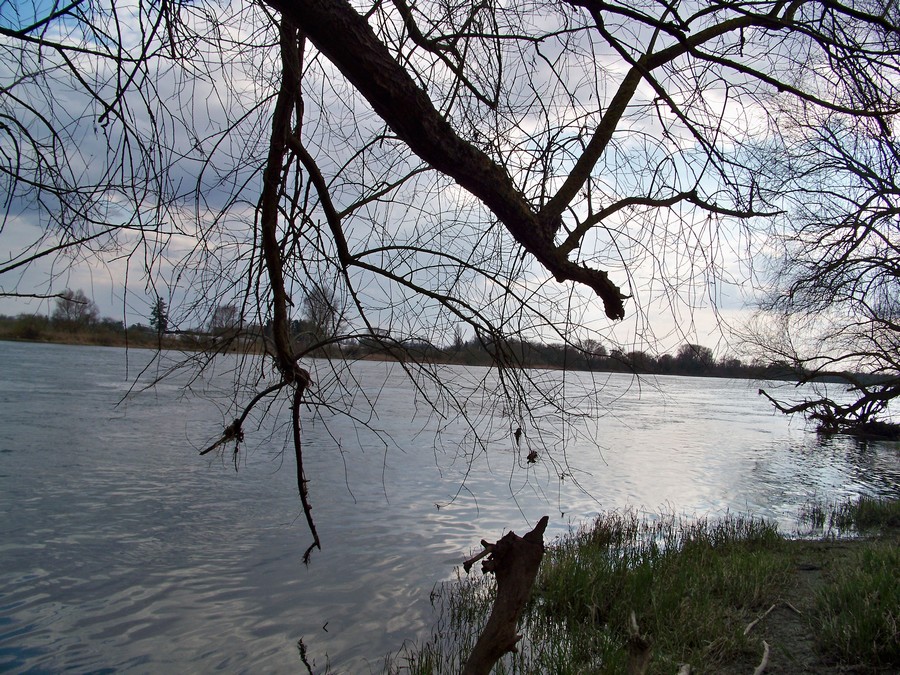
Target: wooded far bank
689 360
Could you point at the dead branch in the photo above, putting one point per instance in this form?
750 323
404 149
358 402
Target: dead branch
765 660
515 561
488 549
758 619
234 431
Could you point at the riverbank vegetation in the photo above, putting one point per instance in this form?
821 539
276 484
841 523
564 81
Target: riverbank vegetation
105 332
716 596
321 334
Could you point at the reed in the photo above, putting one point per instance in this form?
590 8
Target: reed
852 516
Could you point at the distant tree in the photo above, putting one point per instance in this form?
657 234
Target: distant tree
74 310
459 339
300 329
159 316
110 325
322 312
665 364
730 365
693 358
639 361
224 319
593 347
30 326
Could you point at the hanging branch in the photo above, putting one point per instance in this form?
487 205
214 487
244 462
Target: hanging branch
287 102
301 475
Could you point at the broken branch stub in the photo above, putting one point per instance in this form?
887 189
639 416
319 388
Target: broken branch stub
514 560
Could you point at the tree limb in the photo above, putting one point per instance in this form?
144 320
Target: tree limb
348 41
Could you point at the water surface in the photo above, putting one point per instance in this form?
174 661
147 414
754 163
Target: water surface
122 549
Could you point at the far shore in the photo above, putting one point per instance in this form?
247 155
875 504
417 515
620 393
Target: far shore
143 338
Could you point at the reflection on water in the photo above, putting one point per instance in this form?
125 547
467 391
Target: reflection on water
121 549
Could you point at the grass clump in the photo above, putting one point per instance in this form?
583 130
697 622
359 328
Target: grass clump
697 588
860 516
877 513
692 585
858 609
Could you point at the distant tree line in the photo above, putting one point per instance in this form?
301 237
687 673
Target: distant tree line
690 359
76 319
323 332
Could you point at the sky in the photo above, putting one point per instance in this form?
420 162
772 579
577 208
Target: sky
194 251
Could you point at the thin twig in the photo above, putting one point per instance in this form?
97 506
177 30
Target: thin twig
234 431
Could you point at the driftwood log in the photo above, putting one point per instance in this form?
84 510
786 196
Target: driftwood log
514 560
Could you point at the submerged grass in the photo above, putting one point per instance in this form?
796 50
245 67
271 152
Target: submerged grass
693 585
859 516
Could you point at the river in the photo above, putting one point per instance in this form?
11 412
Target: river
121 549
